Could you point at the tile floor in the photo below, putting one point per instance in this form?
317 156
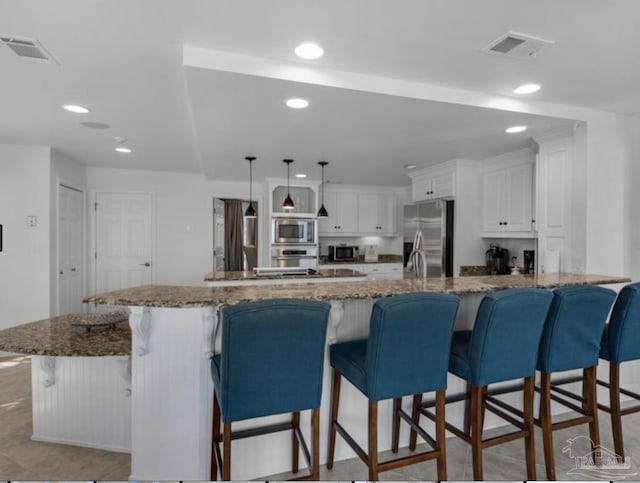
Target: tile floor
23 459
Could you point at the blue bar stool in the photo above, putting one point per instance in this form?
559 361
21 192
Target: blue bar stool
621 343
571 340
271 362
503 346
407 353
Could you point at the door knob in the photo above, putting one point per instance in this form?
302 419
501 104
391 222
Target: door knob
145 264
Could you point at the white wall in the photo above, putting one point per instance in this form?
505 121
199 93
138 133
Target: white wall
24 261
183 255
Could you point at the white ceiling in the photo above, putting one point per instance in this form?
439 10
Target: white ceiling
124 61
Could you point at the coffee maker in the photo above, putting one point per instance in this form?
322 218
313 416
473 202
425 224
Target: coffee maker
497 260
529 261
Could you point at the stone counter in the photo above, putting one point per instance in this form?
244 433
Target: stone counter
180 296
250 276
57 337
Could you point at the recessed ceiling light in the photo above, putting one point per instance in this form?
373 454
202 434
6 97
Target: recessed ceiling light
76 109
527 89
410 166
122 149
515 129
297 103
301 175
309 50
95 125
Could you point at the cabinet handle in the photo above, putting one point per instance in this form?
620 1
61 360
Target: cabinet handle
505 223
533 221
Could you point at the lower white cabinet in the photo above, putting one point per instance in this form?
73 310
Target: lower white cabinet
374 271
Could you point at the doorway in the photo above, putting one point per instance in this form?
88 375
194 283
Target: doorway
70 249
235 236
124 244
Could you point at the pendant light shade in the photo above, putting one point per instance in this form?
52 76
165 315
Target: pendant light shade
288 202
322 212
250 212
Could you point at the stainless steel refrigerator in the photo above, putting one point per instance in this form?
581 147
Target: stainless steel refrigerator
428 228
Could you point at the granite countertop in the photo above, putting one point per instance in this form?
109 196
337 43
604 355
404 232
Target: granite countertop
250 275
57 337
382 258
180 296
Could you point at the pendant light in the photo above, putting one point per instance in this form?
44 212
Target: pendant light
322 212
288 202
250 212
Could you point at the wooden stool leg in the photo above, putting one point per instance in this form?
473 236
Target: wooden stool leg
373 440
529 446
215 437
335 401
415 417
466 425
614 402
295 445
592 408
441 444
545 423
226 463
315 451
476 411
397 405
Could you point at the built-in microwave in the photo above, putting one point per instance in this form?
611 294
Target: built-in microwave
294 230
344 253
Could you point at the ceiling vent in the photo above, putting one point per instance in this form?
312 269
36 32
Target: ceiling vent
517 45
28 49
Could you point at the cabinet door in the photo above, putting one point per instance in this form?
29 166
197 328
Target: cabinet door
492 200
517 206
387 215
347 212
442 185
368 209
327 226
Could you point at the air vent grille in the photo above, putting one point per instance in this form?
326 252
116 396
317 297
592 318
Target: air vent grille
27 48
517 45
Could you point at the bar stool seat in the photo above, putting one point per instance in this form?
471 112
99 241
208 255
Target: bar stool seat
571 340
503 346
621 343
271 362
407 353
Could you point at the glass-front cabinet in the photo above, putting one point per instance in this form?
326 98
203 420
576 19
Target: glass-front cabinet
304 197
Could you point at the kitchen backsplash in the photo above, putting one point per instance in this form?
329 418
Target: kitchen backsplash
388 245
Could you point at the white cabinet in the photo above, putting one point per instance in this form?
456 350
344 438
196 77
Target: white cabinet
434 185
377 214
342 208
374 271
353 213
507 199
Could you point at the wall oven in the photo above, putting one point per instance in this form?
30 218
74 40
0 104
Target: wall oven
297 231
295 256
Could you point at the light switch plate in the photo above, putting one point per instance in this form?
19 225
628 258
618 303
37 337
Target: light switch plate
32 220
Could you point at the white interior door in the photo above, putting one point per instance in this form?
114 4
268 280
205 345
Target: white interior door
124 242
70 253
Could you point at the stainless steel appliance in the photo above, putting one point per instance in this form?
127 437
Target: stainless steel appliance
497 259
298 231
343 253
428 238
294 256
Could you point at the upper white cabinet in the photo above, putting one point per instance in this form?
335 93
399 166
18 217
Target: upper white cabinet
303 193
377 214
359 212
507 189
342 208
432 184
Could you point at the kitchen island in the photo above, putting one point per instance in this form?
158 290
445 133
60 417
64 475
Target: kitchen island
174 332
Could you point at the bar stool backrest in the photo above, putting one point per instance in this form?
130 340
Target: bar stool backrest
506 334
272 357
573 330
623 337
409 343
